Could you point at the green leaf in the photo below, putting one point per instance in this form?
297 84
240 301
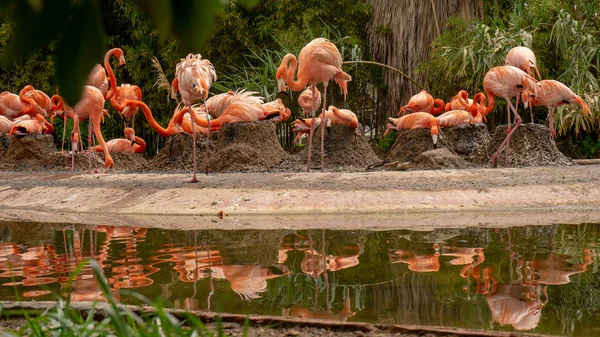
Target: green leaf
32 29
80 48
249 3
160 13
192 22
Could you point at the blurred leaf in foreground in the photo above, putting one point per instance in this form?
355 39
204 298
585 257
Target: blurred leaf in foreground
77 28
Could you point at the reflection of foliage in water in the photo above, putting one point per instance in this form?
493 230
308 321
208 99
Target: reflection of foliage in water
379 291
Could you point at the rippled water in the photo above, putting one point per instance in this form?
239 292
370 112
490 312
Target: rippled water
541 279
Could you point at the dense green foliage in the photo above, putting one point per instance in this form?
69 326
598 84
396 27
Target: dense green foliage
564 36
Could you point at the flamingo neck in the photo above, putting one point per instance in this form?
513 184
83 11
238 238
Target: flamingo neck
141 144
116 104
294 85
439 108
148 114
111 75
486 109
214 123
28 103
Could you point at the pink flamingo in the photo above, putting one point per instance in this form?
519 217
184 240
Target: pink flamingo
423 102
524 59
5 124
319 62
553 94
13 106
126 92
506 82
131 144
416 120
36 126
90 106
193 79
97 77
306 102
470 116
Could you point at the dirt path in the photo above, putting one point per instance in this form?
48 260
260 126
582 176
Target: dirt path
249 200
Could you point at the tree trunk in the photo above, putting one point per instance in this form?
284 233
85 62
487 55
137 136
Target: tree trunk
400 34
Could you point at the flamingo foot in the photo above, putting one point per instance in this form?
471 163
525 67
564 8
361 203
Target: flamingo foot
194 180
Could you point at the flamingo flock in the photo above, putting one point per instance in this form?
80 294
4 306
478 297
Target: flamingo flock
318 62
513 79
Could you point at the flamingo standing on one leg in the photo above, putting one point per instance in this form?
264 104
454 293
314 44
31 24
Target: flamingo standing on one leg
193 79
131 144
423 102
319 61
506 82
553 94
90 106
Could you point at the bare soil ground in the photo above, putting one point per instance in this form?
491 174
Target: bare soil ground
345 150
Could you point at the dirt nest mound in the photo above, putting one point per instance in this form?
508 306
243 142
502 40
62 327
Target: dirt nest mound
3 144
37 153
409 144
345 149
127 162
176 156
468 141
530 145
247 147
438 159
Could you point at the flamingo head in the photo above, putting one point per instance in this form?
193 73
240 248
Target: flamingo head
281 85
120 55
130 134
57 104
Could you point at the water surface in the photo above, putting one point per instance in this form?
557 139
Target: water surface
541 279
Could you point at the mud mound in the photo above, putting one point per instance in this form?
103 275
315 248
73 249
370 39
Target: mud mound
127 162
3 144
411 143
438 159
37 153
530 145
176 156
345 149
467 141
247 147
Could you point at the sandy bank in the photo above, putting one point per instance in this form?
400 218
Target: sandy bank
378 200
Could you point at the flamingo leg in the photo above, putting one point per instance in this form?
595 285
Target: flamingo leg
531 113
323 126
62 148
206 163
312 126
89 145
72 152
507 140
551 122
194 180
108 161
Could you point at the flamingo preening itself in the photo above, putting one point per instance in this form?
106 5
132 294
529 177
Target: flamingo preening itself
131 144
318 62
416 120
423 102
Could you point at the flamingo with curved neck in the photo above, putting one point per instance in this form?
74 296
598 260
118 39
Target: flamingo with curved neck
319 62
98 78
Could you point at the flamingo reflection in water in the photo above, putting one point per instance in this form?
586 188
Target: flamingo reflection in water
520 302
203 262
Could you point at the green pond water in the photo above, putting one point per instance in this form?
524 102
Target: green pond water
540 279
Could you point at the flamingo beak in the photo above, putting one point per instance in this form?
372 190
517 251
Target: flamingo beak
122 60
435 139
281 85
